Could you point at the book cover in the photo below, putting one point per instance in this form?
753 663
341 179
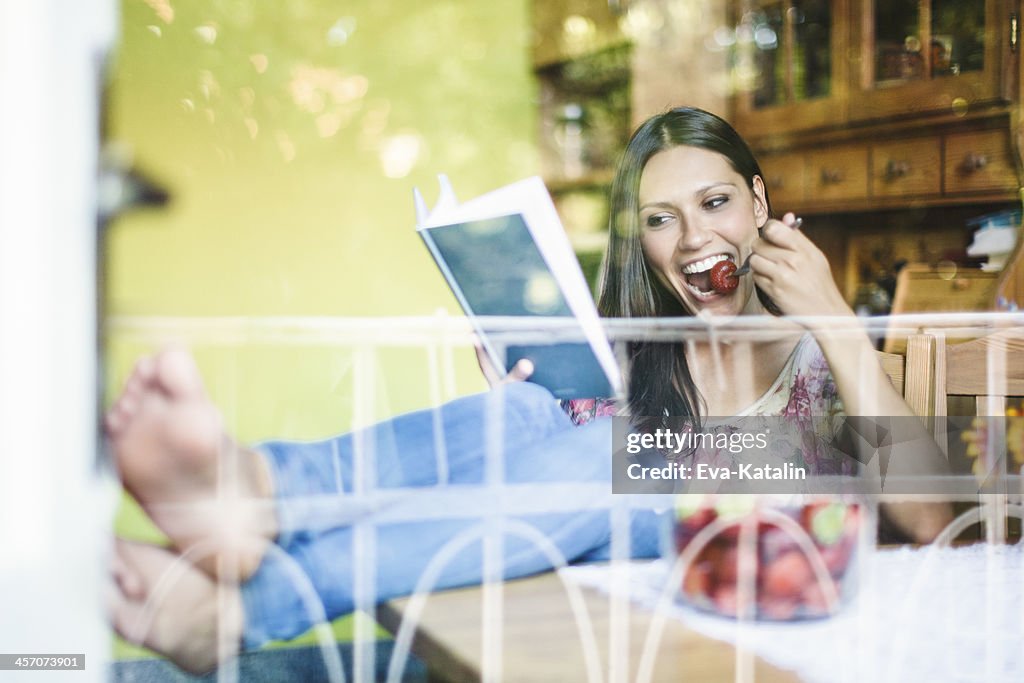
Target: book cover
505 254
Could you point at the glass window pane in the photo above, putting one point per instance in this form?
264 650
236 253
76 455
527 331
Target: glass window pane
812 28
769 55
897 41
958 36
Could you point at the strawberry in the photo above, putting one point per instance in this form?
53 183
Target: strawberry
788 575
722 278
727 564
726 600
777 609
837 556
698 580
700 518
774 542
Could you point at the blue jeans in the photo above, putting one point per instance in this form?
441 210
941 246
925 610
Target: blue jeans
442 449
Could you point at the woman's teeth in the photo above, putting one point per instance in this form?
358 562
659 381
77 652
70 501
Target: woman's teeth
703 264
697 275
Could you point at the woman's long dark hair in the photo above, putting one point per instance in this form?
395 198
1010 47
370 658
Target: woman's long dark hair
660 381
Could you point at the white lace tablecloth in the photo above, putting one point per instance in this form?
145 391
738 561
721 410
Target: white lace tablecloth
934 614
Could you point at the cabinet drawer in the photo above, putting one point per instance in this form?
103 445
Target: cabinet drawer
907 168
837 173
784 180
979 161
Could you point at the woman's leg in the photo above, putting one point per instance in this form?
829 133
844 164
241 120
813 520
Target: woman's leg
174 456
277 598
213 497
444 445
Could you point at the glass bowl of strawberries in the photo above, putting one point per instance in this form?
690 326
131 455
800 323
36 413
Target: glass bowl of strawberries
765 558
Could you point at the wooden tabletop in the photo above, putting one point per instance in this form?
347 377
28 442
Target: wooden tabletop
539 640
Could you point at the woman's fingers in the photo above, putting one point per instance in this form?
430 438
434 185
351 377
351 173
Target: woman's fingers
520 371
793 271
772 253
784 245
781 233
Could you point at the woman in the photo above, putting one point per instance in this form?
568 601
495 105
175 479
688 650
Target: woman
688 193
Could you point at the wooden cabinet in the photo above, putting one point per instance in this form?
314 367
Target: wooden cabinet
907 168
809 65
790 66
919 56
948 166
784 179
979 162
836 174
918 109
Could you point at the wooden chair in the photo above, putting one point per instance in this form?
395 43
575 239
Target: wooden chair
988 370
894 365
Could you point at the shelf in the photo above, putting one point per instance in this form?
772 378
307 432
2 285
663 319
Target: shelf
585 110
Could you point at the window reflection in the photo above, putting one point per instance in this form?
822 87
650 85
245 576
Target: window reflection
792 47
951 44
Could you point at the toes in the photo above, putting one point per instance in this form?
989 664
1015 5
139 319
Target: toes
125 616
176 373
126 405
145 369
129 584
126 593
113 422
120 414
142 376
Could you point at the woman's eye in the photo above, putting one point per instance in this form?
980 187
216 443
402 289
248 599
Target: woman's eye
715 202
657 220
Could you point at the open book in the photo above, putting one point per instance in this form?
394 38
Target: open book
505 253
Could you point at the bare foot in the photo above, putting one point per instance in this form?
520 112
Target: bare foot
164 603
211 498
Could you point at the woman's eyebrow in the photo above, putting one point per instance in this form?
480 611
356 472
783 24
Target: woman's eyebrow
703 189
710 186
656 205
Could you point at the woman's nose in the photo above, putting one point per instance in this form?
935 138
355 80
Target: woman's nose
693 235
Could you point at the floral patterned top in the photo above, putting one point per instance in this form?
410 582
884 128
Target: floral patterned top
804 395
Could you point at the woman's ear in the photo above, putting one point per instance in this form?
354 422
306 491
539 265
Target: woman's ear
760 202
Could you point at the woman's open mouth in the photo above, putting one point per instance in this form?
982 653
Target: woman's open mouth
697 275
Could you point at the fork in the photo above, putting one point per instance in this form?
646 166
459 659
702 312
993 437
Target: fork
745 268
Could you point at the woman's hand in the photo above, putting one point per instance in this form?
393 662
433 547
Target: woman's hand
796 275
520 372
794 272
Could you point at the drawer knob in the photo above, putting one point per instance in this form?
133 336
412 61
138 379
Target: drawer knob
831 176
896 169
974 162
